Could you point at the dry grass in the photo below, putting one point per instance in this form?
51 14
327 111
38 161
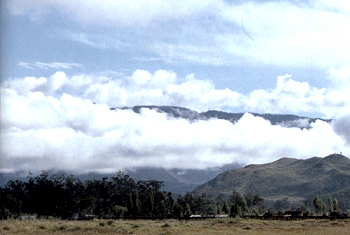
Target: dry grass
220 226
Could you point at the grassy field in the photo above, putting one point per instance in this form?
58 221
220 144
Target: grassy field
209 226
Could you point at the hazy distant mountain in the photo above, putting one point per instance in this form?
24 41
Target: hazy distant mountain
178 181
285 177
275 119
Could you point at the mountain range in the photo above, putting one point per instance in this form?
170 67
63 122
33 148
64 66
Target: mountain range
285 178
285 120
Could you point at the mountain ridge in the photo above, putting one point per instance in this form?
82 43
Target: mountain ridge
285 177
286 120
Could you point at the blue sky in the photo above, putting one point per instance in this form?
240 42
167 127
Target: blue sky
290 57
240 45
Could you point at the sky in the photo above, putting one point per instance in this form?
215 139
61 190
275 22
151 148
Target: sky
65 63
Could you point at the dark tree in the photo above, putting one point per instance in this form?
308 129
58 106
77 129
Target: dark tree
162 211
188 211
170 201
239 204
150 203
318 204
335 204
136 205
225 208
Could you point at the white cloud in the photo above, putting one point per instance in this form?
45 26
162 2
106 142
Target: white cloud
291 96
166 88
146 59
52 123
54 65
288 35
301 123
340 79
124 13
341 126
339 6
73 134
210 32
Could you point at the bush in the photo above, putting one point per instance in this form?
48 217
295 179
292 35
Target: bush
110 222
119 211
166 225
4 213
102 223
76 228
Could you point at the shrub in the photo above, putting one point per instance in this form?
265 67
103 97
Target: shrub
119 211
166 225
76 228
102 223
110 222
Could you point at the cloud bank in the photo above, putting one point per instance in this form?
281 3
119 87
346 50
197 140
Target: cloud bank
52 123
166 88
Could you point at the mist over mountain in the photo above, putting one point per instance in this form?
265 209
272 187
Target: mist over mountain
284 178
180 179
285 120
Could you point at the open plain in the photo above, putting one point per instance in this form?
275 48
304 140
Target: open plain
209 226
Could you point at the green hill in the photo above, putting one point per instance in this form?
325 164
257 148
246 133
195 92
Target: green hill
286 177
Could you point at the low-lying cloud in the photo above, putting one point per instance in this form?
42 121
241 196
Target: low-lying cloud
53 123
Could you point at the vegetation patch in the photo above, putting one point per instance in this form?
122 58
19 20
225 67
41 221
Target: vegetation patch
166 225
136 226
77 228
206 226
110 222
102 223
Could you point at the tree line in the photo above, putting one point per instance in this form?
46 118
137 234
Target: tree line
120 196
62 196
